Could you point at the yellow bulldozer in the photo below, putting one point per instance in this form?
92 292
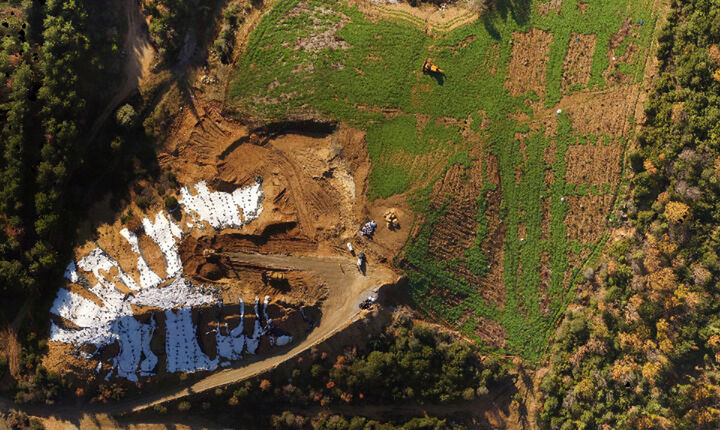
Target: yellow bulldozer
274 277
429 67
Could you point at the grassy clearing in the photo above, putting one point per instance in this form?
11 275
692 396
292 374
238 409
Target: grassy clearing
375 83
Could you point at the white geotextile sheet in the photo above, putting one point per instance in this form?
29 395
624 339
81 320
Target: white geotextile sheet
220 209
181 347
113 321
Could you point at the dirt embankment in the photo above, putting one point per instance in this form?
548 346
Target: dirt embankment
314 179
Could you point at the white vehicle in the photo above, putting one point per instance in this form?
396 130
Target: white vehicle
360 260
350 248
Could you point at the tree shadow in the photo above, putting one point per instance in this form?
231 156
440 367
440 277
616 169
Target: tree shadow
517 10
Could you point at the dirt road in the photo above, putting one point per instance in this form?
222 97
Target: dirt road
139 54
347 287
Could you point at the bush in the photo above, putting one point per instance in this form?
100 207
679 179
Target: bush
171 203
126 116
142 202
184 406
117 144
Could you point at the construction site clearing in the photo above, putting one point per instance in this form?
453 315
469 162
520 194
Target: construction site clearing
268 225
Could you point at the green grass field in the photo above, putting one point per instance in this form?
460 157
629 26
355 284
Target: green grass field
380 70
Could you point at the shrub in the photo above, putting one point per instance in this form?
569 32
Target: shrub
171 203
142 202
126 116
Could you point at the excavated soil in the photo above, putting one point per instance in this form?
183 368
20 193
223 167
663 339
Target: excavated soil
529 55
313 179
585 220
242 281
578 60
287 318
594 164
314 182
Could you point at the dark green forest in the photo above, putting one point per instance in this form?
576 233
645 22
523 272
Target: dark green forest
53 61
644 350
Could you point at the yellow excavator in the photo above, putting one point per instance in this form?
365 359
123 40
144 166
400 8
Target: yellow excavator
429 67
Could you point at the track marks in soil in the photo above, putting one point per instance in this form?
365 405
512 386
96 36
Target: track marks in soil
455 232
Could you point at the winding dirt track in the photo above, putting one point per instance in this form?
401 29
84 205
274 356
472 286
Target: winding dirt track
347 287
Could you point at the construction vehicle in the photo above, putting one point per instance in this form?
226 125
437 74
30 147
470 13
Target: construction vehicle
360 260
368 229
391 219
274 277
367 303
429 67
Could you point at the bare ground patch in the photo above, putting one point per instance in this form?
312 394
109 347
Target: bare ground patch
492 286
594 164
325 37
455 232
578 60
549 154
582 6
491 333
417 94
585 220
529 55
603 113
550 6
